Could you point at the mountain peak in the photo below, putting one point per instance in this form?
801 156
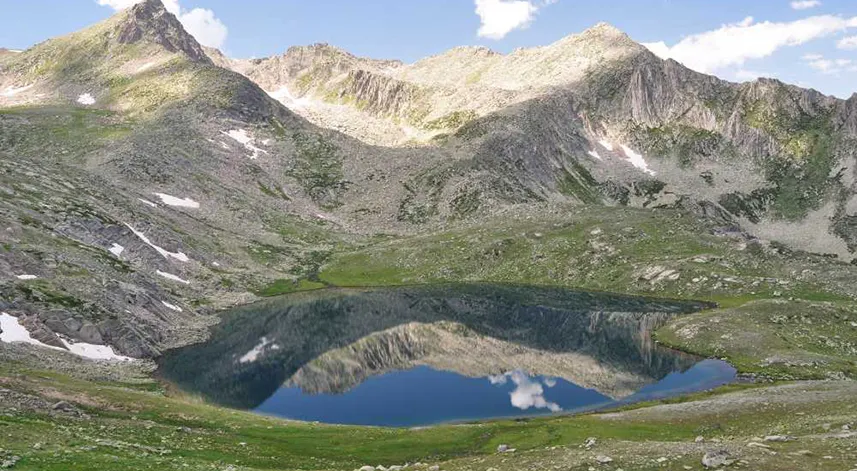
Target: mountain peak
601 36
604 29
150 21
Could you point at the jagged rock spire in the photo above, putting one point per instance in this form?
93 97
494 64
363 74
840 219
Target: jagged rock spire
150 21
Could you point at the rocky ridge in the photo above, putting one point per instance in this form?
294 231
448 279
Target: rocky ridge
594 117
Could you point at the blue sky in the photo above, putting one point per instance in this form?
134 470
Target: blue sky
811 43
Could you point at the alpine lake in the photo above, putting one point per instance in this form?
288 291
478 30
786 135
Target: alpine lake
413 356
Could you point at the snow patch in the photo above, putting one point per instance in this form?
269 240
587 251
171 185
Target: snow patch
171 306
284 96
94 352
86 99
174 201
170 276
246 139
594 154
26 277
144 67
605 144
258 350
12 331
116 249
637 160
147 202
180 256
12 91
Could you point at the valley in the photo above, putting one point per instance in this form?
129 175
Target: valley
149 184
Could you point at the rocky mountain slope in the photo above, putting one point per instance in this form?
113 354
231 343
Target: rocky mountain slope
144 185
147 181
594 118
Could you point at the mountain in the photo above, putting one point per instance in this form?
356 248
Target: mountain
148 182
595 118
143 185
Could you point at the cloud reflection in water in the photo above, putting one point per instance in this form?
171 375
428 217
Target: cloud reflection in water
528 392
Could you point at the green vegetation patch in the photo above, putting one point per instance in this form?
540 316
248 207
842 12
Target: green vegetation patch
801 173
285 286
624 250
453 120
774 338
137 426
686 144
42 291
60 132
318 168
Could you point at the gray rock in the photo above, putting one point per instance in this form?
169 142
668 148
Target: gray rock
63 406
602 459
9 462
716 459
502 448
779 438
89 333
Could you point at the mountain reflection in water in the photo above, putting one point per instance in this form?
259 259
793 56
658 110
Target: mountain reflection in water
419 355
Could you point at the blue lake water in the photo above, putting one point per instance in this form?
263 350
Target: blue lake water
422 396
425 355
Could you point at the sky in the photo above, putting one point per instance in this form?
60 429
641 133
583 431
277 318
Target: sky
811 43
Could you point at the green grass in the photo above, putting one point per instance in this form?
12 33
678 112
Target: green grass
144 419
143 428
774 338
60 132
43 291
285 286
602 249
801 170
274 192
452 121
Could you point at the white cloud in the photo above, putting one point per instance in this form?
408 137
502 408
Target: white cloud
822 65
827 66
734 44
805 4
172 6
204 26
847 43
500 17
199 22
659 49
117 4
745 75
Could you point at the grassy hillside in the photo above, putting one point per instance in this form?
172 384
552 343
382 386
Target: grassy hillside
106 425
784 314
